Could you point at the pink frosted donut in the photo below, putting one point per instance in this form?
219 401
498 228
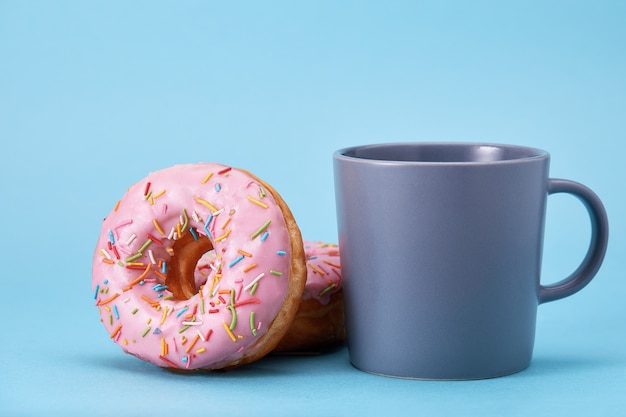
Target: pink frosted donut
323 271
152 302
319 323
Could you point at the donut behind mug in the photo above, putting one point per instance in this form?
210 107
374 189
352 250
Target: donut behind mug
319 322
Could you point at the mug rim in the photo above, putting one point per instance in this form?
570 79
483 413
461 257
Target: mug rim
359 153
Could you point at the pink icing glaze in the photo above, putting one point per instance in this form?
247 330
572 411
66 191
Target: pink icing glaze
244 286
323 271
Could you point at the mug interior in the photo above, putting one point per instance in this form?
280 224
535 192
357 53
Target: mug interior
442 152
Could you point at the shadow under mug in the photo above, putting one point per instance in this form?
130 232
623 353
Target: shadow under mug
441 247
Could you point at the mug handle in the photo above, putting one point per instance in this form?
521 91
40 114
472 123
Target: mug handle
597 247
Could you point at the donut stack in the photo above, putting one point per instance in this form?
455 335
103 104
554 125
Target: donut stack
203 267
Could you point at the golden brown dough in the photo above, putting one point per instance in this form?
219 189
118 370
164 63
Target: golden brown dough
319 322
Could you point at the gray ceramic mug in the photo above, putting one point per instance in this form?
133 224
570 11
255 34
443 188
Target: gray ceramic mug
441 247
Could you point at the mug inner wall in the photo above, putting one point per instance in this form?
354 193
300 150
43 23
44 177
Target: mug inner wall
443 153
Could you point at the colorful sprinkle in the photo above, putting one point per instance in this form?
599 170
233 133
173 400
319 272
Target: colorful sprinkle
233 321
254 281
205 203
122 224
116 331
319 271
153 303
192 323
108 300
260 230
235 261
206 225
252 326
158 227
248 301
226 223
167 361
230 333
163 347
139 278
334 265
134 257
154 239
224 236
207 178
157 195
254 287
328 289
244 253
151 256
185 219
257 202
144 246
192 344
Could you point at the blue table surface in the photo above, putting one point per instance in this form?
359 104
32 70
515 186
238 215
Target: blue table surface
68 366
94 95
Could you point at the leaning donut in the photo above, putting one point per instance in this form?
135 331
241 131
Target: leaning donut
319 324
150 244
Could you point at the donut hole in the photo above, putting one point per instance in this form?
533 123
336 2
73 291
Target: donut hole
203 268
181 274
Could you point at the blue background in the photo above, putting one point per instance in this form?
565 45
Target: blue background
94 95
